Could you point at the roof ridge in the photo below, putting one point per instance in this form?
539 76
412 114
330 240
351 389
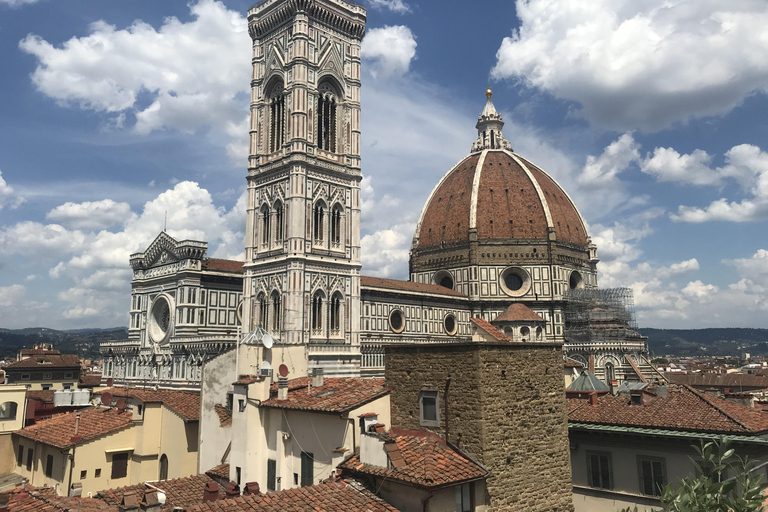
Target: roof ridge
717 407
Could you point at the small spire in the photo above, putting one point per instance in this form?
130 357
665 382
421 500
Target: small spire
488 92
489 127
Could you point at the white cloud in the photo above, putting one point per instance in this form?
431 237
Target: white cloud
8 196
700 290
385 252
389 50
641 64
604 169
90 215
16 3
196 73
666 164
43 241
393 5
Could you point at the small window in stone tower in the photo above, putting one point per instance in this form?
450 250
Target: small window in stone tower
327 101
265 224
430 410
319 220
278 222
276 118
336 215
276 310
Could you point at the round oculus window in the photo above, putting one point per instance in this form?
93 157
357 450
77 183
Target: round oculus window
444 279
396 321
515 281
449 324
160 322
576 281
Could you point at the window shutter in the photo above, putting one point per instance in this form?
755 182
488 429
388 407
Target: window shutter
49 465
307 469
119 465
272 474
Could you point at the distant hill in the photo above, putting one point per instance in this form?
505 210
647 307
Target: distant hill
716 342
83 342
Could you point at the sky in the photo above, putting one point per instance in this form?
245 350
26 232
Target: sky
119 118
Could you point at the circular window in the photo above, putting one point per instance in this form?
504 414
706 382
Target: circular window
449 323
160 322
576 281
444 279
396 321
515 281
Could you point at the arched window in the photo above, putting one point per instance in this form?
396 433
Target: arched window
326 117
276 118
317 311
8 411
318 221
279 221
276 326
336 225
610 372
261 300
265 224
335 314
163 467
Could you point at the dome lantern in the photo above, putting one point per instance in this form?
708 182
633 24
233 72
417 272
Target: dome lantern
489 125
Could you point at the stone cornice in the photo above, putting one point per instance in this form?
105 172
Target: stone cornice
345 17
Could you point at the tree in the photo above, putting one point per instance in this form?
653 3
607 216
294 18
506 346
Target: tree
722 483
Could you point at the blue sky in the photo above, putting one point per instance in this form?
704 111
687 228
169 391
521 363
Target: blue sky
650 114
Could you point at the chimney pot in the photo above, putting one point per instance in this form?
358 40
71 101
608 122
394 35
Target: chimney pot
211 491
593 399
233 490
614 384
77 424
282 388
251 488
317 378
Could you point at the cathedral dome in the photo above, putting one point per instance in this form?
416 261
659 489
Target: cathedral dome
499 195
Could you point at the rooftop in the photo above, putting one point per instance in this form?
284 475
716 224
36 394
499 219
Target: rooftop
45 499
221 471
731 380
490 329
59 430
518 312
703 413
408 286
183 403
47 361
90 379
336 395
587 382
179 492
419 458
226 265
325 497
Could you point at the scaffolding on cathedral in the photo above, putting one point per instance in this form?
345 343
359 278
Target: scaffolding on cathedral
600 315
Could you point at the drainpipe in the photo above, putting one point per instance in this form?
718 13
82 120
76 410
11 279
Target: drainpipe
71 469
425 502
445 405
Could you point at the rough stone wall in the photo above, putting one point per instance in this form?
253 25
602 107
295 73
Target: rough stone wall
506 407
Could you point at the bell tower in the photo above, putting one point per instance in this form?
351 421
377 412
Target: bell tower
302 244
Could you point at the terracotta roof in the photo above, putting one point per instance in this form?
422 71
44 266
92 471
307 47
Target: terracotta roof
493 331
179 492
47 361
572 363
45 499
39 352
410 286
227 265
59 430
703 413
248 379
184 403
45 396
90 379
221 471
518 312
225 417
729 380
336 395
508 205
419 458
325 497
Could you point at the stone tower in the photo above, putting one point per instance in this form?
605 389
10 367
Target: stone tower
302 256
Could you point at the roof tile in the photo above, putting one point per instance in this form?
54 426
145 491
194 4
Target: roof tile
336 395
59 430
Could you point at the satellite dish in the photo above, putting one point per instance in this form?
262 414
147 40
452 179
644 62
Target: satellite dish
283 370
106 398
121 404
267 340
265 366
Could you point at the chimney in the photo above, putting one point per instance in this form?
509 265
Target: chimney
77 424
152 501
614 387
233 490
593 396
129 502
251 488
211 491
317 378
282 388
636 395
662 391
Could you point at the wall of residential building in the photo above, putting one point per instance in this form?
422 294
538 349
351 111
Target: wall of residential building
37 379
10 422
407 498
506 408
624 454
215 440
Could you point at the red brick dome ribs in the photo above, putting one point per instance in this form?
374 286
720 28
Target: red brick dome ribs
503 197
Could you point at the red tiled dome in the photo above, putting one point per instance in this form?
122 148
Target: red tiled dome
504 197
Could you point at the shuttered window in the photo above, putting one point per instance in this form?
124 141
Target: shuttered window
30 456
652 475
20 456
307 469
119 465
49 466
271 474
599 470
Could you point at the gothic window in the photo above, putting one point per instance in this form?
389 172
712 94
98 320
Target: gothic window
610 372
335 313
276 312
279 221
326 117
265 224
336 215
317 311
277 118
318 221
262 302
